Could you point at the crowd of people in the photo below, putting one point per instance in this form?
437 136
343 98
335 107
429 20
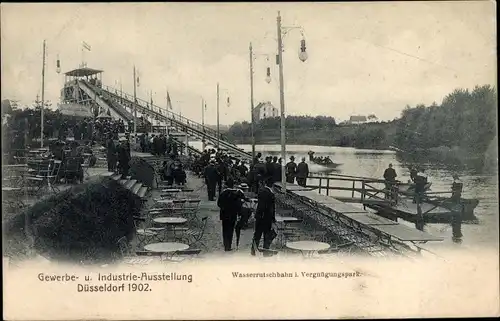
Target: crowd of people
173 171
219 169
118 154
105 127
158 144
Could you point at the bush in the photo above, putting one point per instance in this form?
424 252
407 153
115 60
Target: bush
81 224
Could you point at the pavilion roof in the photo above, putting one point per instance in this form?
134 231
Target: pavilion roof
83 72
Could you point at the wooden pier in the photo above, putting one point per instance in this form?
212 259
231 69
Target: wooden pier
372 193
356 223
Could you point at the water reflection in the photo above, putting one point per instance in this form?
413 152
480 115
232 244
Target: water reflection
478 182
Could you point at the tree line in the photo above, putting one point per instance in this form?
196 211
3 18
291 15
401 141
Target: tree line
465 119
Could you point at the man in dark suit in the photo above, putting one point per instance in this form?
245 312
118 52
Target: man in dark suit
390 178
211 178
269 167
229 202
264 216
302 172
291 170
276 170
124 156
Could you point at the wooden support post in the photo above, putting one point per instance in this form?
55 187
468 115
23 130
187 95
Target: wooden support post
353 186
327 187
419 224
319 188
456 221
363 194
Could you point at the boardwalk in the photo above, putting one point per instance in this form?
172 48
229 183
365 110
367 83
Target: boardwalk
213 233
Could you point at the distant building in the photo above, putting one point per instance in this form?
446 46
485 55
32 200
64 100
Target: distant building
265 110
355 120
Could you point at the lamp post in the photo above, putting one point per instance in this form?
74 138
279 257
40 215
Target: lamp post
203 106
135 103
268 80
251 103
302 57
218 129
218 123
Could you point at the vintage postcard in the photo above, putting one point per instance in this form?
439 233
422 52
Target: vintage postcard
216 161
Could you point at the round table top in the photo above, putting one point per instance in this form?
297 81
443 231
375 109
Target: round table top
170 220
7 188
166 247
171 190
285 218
308 245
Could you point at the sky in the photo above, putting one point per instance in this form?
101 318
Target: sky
363 58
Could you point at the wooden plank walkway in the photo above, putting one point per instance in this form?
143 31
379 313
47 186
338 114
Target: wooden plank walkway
370 219
405 233
406 205
366 201
315 197
292 187
343 208
359 218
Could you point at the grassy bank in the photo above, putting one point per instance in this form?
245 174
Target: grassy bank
81 224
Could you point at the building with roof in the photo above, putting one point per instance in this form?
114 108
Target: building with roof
265 110
357 119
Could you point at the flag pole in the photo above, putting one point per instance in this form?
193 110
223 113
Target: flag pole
166 122
202 123
218 135
135 103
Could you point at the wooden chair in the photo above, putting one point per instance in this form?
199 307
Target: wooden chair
191 209
194 237
144 235
123 245
47 173
72 168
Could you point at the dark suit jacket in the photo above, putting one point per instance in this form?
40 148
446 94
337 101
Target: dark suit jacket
266 202
229 202
211 174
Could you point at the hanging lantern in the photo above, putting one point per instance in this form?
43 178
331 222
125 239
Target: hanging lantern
303 52
268 75
228 102
58 65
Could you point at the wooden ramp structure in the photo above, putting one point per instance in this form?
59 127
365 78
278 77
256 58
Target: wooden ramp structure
372 193
368 231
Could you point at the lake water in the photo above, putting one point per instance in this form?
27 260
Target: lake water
479 183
